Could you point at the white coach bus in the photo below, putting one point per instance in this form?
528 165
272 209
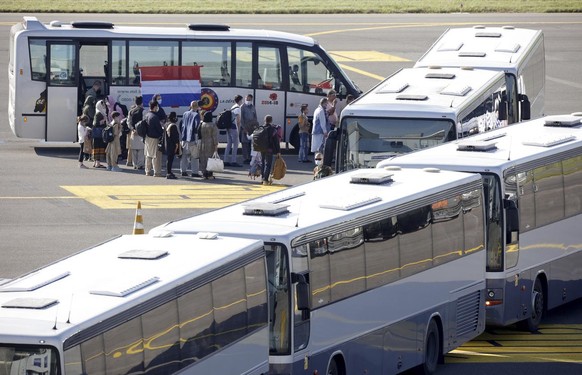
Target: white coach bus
532 174
519 53
416 108
182 304
52 65
374 271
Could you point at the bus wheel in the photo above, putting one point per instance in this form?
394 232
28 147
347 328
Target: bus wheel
532 323
432 350
336 367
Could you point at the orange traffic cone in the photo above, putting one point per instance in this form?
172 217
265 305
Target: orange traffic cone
138 224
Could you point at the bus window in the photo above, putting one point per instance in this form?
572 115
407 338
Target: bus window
38 59
215 59
270 68
152 53
297 69
244 65
319 78
62 65
484 117
118 63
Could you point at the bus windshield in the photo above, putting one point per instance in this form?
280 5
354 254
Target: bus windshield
19 359
366 141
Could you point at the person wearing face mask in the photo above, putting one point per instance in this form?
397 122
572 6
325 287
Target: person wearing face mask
321 170
249 122
161 113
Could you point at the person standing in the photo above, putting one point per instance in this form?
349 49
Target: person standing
208 142
249 122
154 133
320 127
331 109
172 142
161 113
274 148
190 141
303 134
99 123
94 91
133 117
82 131
113 149
232 135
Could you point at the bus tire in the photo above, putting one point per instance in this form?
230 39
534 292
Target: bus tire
538 303
432 349
294 138
336 367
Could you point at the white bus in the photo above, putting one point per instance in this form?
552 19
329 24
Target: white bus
519 53
374 272
416 108
532 174
52 65
141 304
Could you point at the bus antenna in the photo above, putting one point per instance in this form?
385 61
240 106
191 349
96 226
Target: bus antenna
56 318
70 309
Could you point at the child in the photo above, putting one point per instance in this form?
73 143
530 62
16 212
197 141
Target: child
320 170
255 163
303 135
82 131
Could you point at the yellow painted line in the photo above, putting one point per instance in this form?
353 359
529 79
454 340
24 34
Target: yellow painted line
362 72
365 56
175 196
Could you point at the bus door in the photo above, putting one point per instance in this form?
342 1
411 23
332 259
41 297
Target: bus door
270 88
62 86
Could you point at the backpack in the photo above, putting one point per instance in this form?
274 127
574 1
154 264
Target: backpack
262 138
134 116
108 135
122 107
224 119
141 128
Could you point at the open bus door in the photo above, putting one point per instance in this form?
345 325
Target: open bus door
62 86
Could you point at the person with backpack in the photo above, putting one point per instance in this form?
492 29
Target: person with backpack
172 143
154 134
232 135
274 147
113 149
190 141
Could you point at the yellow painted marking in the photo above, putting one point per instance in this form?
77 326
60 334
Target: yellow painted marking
364 56
553 343
175 196
362 72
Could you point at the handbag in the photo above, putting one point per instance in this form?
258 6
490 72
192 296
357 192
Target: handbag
279 168
215 164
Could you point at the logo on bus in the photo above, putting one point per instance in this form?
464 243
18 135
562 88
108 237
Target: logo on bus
272 100
209 99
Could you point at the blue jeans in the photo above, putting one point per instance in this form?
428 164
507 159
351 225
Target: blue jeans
231 146
303 146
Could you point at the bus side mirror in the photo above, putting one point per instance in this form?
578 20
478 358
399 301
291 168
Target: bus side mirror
525 107
302 291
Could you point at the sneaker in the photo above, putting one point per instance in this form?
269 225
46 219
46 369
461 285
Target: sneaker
82 166
171 177
115 169
109 168
184 174
196 175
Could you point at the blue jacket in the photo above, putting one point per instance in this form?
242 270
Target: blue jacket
190 125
